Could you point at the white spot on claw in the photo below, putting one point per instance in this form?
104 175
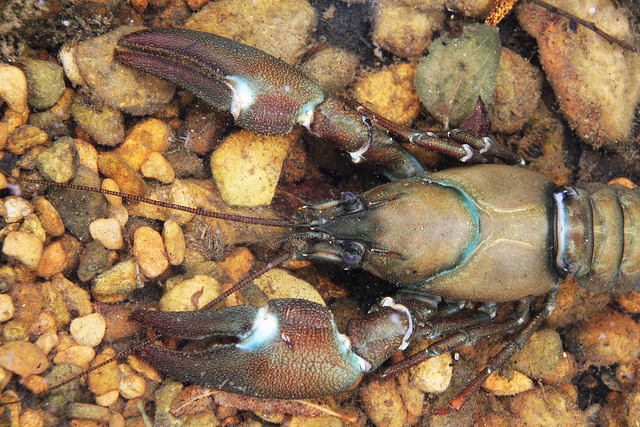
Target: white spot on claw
243 96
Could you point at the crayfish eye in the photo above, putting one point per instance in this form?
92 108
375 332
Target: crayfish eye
353 254
351 202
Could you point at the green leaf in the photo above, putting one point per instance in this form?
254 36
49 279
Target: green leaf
457 71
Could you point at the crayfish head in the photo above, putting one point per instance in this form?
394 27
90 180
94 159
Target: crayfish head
406 231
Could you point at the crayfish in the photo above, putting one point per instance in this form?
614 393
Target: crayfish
476 235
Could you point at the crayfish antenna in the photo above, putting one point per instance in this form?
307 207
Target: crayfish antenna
248 279
196 211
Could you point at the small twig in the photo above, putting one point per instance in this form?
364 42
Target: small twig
586 24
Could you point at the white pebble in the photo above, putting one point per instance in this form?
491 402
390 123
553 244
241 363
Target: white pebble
157 167
88 330
174 242
433 375
108 232
24 247
17 208
13 87
191 294
131 384
47 341
148 249
6 307
111 185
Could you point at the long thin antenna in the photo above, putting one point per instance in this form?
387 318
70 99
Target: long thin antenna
197 211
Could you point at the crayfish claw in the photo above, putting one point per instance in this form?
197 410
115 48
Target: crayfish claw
289 349
264 94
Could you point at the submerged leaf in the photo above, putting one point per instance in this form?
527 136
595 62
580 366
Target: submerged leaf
457 71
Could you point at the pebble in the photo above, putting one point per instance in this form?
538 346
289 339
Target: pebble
4 135
79 355
157 167
175 244
36 384
146 137
383 404
42 324
49 217
237 264
54 304
108 232
118 324
85 411
28 300
31 418
261 26
32 225
565 371
79 208
62 106
630 301
54 260
108 399
67 56
575 303
87 154
13 87
94 260
50 123
117 282
165 395
16 208
600 110
540 355
148 249
114 201
6 307
247 166
332 68
120 214
390 92
606 338
204 128
547 407
405 30
45 82
88 330
106 378
23 247
499 385
5 377
117 85
191 294
47 341
24 138
76 298
633 405
131 384
59 373
23 358
433 375
517 94
105 125
115 167
144 369
279 283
